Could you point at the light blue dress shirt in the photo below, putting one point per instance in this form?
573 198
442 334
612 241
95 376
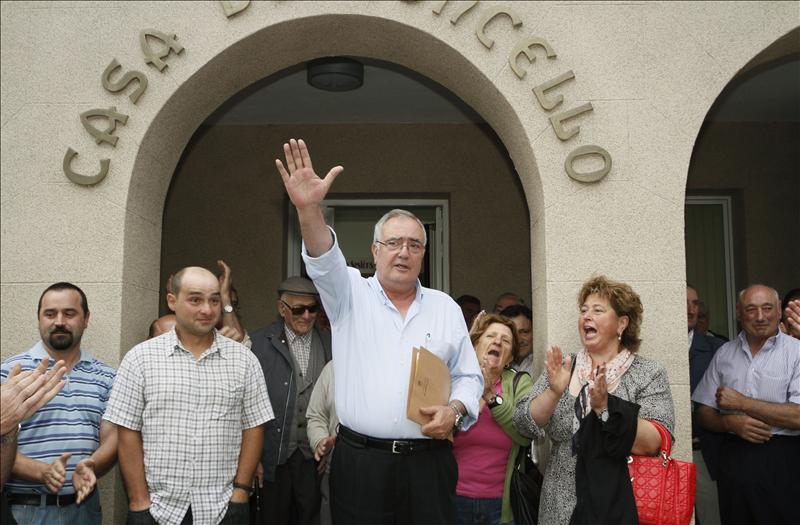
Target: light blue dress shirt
773 374
372 346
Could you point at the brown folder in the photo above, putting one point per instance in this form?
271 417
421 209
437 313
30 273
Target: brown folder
429 384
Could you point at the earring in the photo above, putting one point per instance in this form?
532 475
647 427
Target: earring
619 337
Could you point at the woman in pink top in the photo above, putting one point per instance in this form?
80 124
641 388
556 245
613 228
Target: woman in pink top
486 453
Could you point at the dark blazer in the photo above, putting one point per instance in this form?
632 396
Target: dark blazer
700 354
272 351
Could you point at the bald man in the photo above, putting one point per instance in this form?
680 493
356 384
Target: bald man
751 392
162 325
190 406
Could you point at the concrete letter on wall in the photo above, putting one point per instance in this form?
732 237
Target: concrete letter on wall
232 8
454 19
112 116
122 83
525 47
480 31
589 176
170 44
547 103
557 121
84 180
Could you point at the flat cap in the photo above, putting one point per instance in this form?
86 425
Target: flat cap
298 286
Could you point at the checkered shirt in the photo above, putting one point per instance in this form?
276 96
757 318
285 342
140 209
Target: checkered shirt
191 414
300 345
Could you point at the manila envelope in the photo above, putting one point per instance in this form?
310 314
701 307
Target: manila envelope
429 384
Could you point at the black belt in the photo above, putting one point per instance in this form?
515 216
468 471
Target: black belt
36 499
395 446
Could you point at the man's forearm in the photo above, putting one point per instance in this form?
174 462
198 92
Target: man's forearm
106 454
785 415
8 453
250 454
28 469
710 419
131 464
316 235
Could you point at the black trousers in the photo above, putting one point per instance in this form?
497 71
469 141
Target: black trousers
759 484
377 487
294 497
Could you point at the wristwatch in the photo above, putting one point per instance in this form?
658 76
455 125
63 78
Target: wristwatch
228 309
603 415
242 486
494 401
459 417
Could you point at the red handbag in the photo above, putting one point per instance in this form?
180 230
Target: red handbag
664 488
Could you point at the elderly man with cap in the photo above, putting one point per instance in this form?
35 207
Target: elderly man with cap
292 353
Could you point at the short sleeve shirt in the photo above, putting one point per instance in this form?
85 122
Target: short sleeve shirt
772 375
70 422
191 413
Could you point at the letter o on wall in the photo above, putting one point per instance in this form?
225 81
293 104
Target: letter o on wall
587 176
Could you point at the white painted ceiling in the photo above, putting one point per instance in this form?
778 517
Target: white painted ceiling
393 94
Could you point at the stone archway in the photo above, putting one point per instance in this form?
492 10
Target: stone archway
269 50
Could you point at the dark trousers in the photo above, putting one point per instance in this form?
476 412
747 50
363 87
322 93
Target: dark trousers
759 484
377 487
294 497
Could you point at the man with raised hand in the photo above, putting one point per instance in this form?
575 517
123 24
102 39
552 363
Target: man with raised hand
751 391
386 468
65 446
190 405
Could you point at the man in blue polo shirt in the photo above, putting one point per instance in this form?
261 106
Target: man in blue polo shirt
65 446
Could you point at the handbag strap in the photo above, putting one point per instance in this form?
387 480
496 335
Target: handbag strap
666 440
517 376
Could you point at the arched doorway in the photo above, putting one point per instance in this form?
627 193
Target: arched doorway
743 184
268 51
404 142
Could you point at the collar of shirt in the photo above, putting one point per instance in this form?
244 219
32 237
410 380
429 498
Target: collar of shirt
291 337
691 338
39 352
769 344
174 343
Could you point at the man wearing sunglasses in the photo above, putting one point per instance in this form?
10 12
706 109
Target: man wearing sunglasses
292 353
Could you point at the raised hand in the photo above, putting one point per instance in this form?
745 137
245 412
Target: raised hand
54 476
84 479
302 184
598 394
559 370
224 279
23 393
792 325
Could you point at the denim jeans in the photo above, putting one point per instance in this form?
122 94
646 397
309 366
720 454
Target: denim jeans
87 513
478 511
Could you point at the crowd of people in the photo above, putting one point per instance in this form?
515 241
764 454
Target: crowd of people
212 424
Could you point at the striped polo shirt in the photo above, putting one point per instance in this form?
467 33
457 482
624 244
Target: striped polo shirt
70 422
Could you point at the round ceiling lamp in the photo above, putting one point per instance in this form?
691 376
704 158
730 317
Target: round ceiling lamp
336 74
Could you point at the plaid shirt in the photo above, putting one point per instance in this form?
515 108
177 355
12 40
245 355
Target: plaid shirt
191 414
300 345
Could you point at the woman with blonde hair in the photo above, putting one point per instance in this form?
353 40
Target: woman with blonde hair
597 406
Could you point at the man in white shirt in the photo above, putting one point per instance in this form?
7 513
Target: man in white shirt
386 469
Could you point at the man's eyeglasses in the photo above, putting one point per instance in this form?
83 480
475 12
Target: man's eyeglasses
396 244
301 309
